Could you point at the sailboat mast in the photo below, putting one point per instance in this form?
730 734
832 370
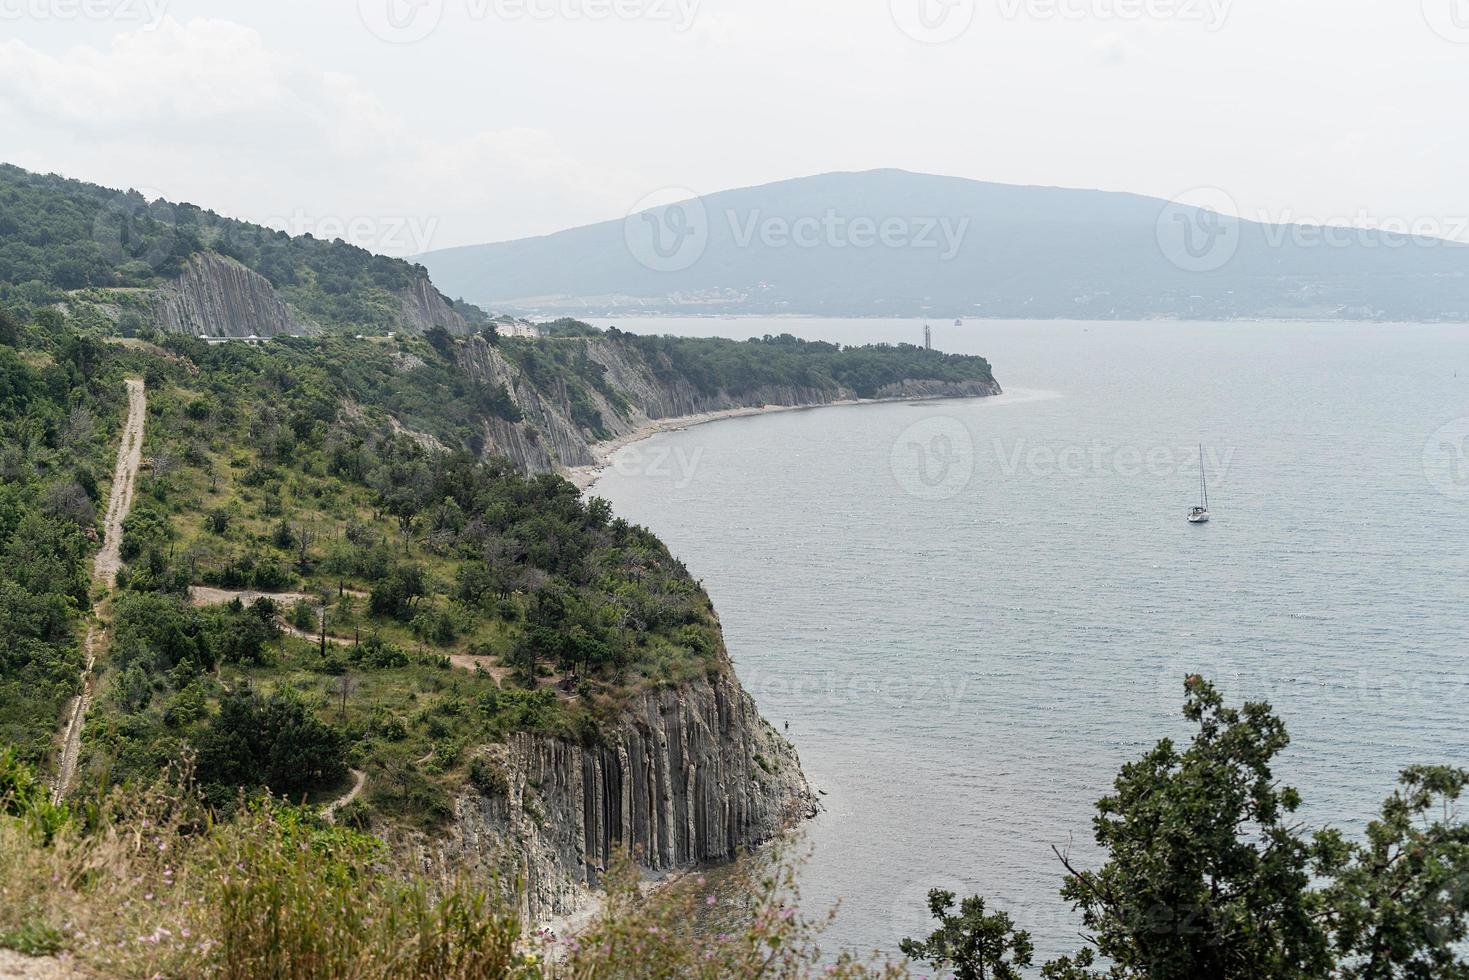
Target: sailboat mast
1203 478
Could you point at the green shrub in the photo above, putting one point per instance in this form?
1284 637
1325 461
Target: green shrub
270 741
489 777
33 939
24 795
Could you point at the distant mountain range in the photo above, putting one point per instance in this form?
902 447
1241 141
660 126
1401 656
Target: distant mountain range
889 242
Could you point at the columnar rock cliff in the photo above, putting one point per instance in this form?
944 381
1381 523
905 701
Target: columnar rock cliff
548 438
692 775
425 307
219 297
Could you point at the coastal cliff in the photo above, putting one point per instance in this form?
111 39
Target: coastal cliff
690 776
549 437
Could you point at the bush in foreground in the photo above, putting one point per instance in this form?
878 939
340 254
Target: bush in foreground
1210 874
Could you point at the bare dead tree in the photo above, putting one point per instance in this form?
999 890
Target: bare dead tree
346 684
305 536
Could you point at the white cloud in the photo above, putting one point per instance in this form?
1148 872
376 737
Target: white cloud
177 73
255 134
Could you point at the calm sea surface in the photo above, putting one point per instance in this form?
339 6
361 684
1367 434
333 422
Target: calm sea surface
970 613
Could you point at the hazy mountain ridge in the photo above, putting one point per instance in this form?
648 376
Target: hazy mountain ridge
889 242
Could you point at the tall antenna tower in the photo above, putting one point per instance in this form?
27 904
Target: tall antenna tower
927 337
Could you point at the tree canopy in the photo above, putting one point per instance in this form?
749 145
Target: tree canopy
1209 873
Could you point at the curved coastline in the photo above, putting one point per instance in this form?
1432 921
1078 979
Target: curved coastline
586 477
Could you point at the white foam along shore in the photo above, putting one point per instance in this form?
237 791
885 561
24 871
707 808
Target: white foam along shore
585 477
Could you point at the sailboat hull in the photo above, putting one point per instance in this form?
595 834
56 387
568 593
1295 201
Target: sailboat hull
1200 514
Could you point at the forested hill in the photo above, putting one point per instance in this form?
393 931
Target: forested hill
117 256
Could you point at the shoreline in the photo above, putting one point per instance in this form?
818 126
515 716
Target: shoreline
584 478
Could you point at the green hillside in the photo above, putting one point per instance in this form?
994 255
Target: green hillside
58 236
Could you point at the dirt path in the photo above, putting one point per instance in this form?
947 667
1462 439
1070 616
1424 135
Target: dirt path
104 573
124 485
14 966
329 813
203 595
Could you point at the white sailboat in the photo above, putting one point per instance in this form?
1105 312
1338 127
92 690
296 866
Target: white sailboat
1200 514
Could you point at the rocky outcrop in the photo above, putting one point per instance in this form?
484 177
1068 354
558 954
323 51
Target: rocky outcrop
424 307
218 297
692 775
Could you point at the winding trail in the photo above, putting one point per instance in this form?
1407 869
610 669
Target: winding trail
104 573
329 812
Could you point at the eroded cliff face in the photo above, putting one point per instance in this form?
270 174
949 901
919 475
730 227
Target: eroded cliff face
691 776
425 307
548 439
218 297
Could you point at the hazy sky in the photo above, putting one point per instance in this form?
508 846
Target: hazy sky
416 124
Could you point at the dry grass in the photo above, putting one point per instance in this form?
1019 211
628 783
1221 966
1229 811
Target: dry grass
147 885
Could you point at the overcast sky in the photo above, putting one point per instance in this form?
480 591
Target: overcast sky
416 124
